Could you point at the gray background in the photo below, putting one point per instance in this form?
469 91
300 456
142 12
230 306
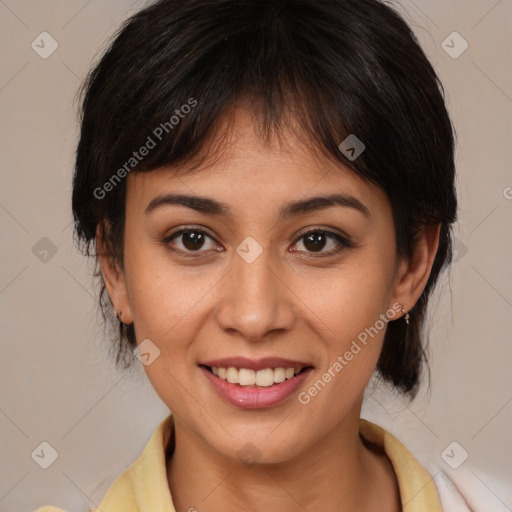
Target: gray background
57 383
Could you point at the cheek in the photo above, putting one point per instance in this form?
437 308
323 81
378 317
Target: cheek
351 308
354 296
353 348
160 294
165 307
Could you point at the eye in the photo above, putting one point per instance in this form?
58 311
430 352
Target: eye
190 240
316 240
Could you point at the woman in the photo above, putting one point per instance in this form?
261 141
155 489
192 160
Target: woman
269 187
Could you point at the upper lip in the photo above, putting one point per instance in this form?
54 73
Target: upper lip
256 364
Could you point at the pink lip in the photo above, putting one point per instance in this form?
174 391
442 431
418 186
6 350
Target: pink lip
255 397
256 364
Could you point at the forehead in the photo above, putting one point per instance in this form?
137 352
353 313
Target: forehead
245 168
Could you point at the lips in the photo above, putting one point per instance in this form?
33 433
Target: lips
253 384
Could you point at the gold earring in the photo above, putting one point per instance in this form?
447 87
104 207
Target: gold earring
406 317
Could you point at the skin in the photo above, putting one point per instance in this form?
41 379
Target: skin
289 302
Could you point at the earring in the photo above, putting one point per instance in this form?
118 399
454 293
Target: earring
406 317
119 315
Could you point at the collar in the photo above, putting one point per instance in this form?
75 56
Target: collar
143 487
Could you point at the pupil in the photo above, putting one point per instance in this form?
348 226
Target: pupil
193 240
313 239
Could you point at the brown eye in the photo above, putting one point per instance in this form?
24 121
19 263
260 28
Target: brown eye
315 241
193 240
189 240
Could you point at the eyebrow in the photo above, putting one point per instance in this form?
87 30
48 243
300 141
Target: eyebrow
213 207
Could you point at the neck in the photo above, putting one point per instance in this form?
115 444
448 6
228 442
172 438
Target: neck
339 472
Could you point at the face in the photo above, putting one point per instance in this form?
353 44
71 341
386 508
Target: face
268 274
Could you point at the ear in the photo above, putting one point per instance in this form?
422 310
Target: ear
114 278
412 275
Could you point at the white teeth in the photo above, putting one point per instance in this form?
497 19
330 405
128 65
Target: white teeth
232 375
265 377
279 375
247 377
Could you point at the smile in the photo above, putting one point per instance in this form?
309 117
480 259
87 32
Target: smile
268 383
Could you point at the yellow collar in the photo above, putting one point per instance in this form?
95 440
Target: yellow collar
143 487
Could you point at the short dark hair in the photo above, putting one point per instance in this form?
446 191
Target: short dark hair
338 67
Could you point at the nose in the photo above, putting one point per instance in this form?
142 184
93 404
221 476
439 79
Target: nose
255 299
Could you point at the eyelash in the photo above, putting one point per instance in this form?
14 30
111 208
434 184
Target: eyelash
344 243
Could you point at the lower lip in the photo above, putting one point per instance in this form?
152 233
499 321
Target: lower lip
255 397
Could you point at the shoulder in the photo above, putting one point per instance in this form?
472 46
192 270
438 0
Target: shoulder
457 493
451 494
464 490
143 485
49 509
418 491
